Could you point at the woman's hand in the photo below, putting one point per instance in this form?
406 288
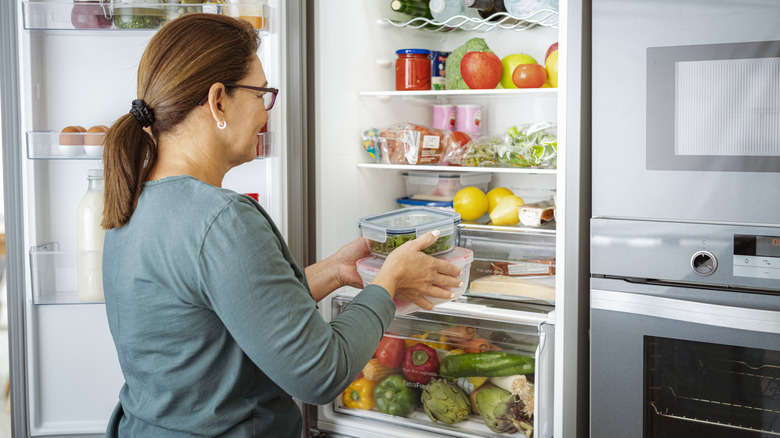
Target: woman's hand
338 270
411 275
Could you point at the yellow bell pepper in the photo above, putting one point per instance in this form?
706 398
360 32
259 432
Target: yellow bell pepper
360 394
431 339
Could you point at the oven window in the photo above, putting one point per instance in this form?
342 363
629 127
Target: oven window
702 389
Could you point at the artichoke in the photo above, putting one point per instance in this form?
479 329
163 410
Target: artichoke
502 412
445 402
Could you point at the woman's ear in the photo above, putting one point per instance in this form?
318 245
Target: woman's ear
216 102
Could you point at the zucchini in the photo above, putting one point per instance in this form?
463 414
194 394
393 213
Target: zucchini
487 364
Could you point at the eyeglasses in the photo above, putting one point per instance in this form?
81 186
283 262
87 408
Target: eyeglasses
269 96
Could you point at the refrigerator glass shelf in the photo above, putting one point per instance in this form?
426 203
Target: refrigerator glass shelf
516 328
501 93
51 145
518 170
500 20
55 274
127 14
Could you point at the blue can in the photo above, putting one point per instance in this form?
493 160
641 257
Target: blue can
438 61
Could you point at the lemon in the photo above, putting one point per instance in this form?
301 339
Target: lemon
471 203
495 195
507 212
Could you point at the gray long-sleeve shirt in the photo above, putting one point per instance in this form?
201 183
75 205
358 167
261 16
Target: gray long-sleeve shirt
213 322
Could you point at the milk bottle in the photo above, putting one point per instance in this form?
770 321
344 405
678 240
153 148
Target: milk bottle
90 239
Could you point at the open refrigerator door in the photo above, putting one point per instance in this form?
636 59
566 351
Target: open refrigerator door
74 64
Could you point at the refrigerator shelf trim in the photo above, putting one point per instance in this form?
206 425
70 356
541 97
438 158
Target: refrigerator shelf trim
517 170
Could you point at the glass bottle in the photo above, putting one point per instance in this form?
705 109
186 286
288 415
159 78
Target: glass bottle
487 8
443 10
412 8
90 235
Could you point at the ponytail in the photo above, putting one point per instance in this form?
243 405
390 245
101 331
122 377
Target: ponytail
128 155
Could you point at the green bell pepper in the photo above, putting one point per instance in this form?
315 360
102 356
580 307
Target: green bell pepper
395 395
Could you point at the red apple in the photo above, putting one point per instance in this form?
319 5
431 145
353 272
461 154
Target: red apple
481 70
529 76
552 48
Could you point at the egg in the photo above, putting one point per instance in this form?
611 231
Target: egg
70 136
96 137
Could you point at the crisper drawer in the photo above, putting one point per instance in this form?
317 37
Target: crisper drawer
475 354
517 265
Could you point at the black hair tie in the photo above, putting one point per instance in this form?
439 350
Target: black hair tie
142 113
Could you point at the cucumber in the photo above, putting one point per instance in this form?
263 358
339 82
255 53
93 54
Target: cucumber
487 364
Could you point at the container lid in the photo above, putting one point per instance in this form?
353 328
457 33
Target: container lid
466 179
413 51
95 173
414 220
423 203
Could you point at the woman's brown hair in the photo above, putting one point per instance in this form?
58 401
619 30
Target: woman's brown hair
183 59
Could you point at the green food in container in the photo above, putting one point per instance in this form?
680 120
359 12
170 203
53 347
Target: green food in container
387 231
138 14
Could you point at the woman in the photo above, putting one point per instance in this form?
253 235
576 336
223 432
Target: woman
215 326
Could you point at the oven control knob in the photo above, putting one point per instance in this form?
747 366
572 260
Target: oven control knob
704 263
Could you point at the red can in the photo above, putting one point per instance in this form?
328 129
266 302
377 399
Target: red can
413 69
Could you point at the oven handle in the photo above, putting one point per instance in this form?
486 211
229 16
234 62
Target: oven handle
756 320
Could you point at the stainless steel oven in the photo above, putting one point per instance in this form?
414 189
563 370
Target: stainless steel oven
684 340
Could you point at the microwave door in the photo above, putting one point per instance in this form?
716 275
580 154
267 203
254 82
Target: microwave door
688 127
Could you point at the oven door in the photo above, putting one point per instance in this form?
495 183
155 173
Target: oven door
686 110
664 365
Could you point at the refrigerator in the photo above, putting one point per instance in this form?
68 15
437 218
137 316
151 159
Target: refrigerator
333 62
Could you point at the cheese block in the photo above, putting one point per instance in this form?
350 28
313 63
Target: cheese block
537 213
540 288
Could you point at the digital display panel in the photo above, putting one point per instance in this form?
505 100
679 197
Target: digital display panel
768 246
761 246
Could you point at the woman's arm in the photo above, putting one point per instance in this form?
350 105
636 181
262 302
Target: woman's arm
338 270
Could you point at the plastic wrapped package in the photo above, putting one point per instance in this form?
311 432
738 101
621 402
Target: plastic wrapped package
520 146
406 143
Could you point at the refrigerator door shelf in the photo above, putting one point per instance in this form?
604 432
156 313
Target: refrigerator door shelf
94 15
511 327
51 145
55 274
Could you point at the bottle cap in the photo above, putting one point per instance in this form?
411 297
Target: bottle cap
95 173
437 6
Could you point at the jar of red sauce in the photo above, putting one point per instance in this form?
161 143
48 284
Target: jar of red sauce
413 69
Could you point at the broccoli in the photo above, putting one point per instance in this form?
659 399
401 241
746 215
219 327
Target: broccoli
452 67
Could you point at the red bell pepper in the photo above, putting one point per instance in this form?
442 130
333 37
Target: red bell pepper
421 363
390 351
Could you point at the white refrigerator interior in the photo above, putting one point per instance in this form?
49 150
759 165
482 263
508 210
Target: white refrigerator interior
354 90
69 77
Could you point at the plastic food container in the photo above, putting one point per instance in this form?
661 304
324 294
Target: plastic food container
462 257
387 231
407 202
440 186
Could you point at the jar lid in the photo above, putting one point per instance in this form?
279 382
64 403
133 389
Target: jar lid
413 51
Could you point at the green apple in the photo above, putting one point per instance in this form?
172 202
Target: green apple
509 63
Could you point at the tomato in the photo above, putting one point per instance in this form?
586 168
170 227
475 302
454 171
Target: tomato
529 76
390 351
